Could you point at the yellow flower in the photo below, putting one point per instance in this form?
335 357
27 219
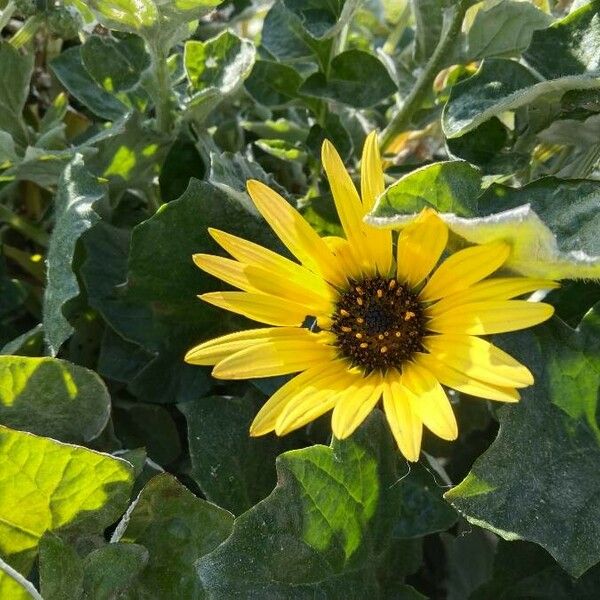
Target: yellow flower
359 323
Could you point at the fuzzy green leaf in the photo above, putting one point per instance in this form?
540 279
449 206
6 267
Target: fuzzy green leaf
550 223
504 29
323 530
15 73
569 46
273 84
451 186
68 67
216 68
46 485
232 469
52 397
177 528
502 85
544 461
78 191
345 81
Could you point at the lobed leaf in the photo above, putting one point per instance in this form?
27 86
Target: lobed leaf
52 397
176 528
46 485
538 480
325 527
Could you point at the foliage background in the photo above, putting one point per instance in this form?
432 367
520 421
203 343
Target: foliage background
127 127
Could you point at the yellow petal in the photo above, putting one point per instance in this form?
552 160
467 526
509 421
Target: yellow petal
420 246
292 229
345 196
303 408
482 318
429 401
354 404
259 307
404 423
255 278
500 288
478 359
464 383
465 268
280 267
215 350
274 357
371 173
343 252
371 186
305 385
230 271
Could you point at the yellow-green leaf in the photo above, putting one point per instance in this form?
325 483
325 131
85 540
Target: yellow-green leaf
46 485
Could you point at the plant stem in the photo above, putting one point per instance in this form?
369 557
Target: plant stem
163 105
23 226
418 93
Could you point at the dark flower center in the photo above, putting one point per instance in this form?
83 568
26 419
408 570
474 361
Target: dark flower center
379 324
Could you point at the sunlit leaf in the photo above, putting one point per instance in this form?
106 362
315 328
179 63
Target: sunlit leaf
46 485
52 397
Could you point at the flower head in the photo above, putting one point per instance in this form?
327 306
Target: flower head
360 322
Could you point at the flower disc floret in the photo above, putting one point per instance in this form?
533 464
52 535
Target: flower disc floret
379 324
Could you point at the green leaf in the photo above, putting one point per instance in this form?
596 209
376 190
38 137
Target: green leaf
216 68
13 586
346 80
523 570
134 16
104 574
177 528
115 64
451 186
130 158
77 193
555 433
61 569
284 37
229 173
550 223
281 129
46 485
498 86
470 560
181 164
15 73
483 146
103 269
325 527
429 21
504 29
162 23
569 46
52 397
139 424
68 67
273 84
232 469
175 16
110 571
322 19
